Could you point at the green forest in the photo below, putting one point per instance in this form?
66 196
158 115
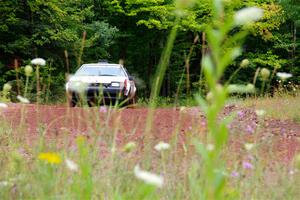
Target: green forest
134 32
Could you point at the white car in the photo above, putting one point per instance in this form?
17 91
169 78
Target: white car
102 81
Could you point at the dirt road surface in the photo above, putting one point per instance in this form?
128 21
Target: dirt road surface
128 124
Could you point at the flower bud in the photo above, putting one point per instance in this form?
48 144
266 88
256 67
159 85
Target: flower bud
244 63
28 70
265 73
6 87
130 146
209 97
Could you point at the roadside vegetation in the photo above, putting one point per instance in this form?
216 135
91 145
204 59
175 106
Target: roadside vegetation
224 151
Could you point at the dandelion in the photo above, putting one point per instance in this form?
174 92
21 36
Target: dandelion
49 157
247 165
162 146
28 70
23 99
248 15
71 165
283 75
6 87
260 112
130 146
148 177
248 146
3 105
38 61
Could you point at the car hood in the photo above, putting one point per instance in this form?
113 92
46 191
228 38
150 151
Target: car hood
97 79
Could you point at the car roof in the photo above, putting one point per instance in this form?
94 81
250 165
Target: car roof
102 65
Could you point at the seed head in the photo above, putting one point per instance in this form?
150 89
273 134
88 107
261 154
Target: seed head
265 73
6 87
28 70
245 63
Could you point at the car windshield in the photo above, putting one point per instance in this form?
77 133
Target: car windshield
100 71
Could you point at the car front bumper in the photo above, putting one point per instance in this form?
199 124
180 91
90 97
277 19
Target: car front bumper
103 93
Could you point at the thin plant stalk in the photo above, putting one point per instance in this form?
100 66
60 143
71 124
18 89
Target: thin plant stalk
17 76
162 67
79 59
37 73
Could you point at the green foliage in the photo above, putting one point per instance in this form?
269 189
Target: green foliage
136 31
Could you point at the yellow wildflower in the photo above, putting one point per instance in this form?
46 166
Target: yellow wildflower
52 158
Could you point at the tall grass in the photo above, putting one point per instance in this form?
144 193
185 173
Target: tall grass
95 165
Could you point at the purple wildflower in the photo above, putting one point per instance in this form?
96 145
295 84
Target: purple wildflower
234 174
240 114
103 109
249 129
247 165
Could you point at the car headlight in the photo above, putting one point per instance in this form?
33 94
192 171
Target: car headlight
115 84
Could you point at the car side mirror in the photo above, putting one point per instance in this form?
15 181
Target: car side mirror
130 78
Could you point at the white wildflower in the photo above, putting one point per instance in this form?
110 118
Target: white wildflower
78 86
38 61
23 99
248 15
248 146
260 112
148 177
182 108
3 105
4 183
283 75
162 146
71 165
210 147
